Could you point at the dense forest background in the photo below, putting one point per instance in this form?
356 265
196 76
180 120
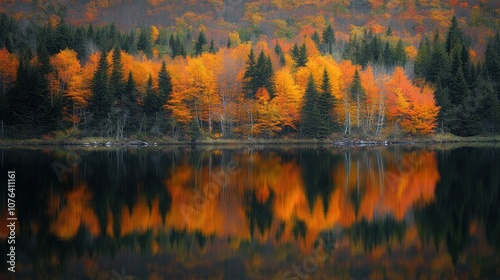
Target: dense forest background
244 69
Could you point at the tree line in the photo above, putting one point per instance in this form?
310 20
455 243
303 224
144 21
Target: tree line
99 81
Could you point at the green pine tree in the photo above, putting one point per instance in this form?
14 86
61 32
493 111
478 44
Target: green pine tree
357 94
316 39
310 114
195 132
328 39
326 103
299 55
200 43
116 83
400 56
164 84
439 64
100 102
129 101
144 42
423 58
212 48
388 32
249 81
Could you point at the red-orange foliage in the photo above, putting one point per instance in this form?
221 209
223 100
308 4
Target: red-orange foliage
412 107
8 69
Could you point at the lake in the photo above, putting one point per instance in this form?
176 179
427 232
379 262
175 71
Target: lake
254 212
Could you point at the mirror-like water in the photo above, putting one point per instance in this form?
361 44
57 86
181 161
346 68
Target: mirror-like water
252 213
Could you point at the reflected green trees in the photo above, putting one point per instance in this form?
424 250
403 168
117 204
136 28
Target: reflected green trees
317 166
259 212
468 192
376 233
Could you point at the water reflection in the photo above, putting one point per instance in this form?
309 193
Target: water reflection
255 213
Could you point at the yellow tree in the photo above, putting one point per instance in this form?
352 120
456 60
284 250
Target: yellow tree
267 114
194 95
228 76
348 108
288 98
71 83
370 108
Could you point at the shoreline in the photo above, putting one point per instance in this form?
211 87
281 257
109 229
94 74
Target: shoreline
341 142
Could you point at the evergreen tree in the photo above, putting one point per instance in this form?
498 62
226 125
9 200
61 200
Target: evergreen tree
439 64
388 55
172 43
423 58
328 39
130 103
200 43
43 59
316 39
326 103
165 90
455 35
489 107
32 111
195 132
400 57
310 115
458 88
112 37
277 48
48 38
250 85
79 43
388 32
299 55
127 42
144 42
266 74
116 84
258 74
357 94
469 116
448 113
229 43
18 98
279 52
212 49
492 61
63 36
152 104
100 102
295 52
164 84
302 59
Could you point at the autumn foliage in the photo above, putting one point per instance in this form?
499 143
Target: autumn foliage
411 107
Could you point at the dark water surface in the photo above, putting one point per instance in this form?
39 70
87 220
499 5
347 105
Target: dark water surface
254 213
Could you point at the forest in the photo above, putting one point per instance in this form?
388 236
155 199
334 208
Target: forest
61 77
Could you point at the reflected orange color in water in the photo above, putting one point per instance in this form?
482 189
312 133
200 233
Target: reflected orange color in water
213 201
77 211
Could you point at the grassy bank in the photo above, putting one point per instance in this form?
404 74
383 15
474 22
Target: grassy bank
336 140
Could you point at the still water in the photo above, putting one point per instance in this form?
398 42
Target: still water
254 213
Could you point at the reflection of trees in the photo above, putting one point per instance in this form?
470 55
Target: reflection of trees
115 179
468 191
318 176
284 195
299 229
259 213
374 233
